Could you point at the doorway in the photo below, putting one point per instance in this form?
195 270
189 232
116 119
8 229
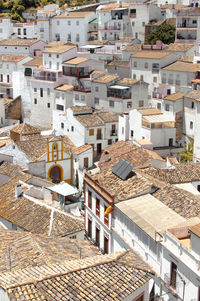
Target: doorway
56 174
99 149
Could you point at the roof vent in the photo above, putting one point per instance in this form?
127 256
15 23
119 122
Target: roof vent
122 169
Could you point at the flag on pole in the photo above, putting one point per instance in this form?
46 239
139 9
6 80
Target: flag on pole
108 210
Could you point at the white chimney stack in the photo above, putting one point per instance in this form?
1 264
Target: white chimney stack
18 190
106 156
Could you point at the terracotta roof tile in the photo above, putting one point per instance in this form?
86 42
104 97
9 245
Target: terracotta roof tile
76 61
12 57
195 229
59 49
25 129
124 149
150 54
81 279
18 42
75 14
105 79
38 61
174 96
82 149
179 47
127 81
180 66
194 94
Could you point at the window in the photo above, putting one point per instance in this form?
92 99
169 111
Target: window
141 77
111 103
194 22
129 105
58 66
60 107
91 132
143 24
49 54
122 130
96 100
35 101
77 37
109 141
48 91
97 238
69 37
35 90
133 23
141 103
170 142
136 35
106 218
57 56
192 105
69 22
89 228
96 89
76 97
19 31
145 65
155 79
58 22
50 64
1 77
72 128
82 97
90 199
173 275
77 23
106 245
62 125
132 133
191 125
134 64
48 104
134 76
97 207
8 78
28 72
159 105
25 31
85 162
41 92
167 107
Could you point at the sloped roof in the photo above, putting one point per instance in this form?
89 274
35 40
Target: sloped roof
25 129
103 277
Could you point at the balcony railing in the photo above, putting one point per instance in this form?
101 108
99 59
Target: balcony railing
113 133
83 90
109 27
116 95
186 26
157 95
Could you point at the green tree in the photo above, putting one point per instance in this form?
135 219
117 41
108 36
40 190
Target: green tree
186 155
164 32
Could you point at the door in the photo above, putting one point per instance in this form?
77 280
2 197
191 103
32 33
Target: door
98 148
55 174
105 245
97 237
86 162
170 142
89 228
173 275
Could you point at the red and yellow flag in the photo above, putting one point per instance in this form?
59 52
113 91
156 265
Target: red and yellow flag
109 210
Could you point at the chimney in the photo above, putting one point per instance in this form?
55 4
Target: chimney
18 190
106 156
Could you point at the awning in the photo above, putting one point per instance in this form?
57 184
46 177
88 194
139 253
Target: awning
119 87
63 189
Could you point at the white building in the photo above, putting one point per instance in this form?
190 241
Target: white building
25 30
125 19
180 74
146 66
117 95
71 27
148 124
45 79
6 28
83 126
22 46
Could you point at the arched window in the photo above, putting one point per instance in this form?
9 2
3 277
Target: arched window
28 72
54 151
